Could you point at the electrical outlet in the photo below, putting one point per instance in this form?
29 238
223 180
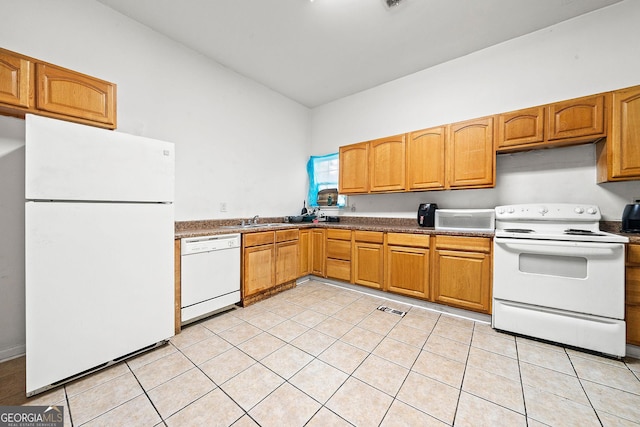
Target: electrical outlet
223 206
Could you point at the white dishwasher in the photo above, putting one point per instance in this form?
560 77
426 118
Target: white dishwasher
210 275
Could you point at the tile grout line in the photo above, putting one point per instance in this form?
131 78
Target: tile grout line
144 390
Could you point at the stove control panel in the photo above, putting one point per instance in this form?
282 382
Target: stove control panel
548 212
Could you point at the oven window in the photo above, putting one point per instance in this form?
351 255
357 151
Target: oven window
554 265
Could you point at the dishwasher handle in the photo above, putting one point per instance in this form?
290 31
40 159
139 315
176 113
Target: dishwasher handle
195 245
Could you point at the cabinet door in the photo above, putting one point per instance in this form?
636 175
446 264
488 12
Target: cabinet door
259 272
576 118
14 79
624 140
368 264
387 171
470 154
317 251
354 169
69 93
426 159
632 316
462 279
407 271
522 127
304 256
286 261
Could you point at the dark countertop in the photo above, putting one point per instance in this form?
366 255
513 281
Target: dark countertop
394 225
199 228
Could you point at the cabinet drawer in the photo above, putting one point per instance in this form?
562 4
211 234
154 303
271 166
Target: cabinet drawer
339 249
633 254
633 286
474 244
285 235
369 236
339 234
403 239
255 239
338 269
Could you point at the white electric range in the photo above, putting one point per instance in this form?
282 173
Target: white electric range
557 277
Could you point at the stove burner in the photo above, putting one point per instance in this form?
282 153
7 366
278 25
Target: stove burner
579 232
518 230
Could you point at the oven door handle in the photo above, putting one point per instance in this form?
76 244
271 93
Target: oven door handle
551 247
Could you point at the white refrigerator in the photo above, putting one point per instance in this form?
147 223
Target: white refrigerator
99 225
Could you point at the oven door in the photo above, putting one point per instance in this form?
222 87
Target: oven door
582 277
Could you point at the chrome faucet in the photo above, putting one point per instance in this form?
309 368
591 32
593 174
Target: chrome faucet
254 219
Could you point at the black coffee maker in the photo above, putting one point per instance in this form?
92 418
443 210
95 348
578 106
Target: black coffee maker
631 218
427 214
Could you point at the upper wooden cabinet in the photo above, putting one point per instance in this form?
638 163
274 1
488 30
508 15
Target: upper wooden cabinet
387 164
72 94
577 119
522 127
354 169
470 154
14 79
28 85
619 156
426 159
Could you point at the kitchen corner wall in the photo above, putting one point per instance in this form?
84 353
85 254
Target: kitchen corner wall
593 53
237 142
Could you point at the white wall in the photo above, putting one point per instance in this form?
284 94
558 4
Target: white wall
11 237
236 141
593 53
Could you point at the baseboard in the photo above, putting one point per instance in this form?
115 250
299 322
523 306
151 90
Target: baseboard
12 353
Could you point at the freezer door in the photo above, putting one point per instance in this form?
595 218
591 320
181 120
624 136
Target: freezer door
68 161
99 284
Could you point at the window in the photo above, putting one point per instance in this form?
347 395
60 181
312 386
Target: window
323 174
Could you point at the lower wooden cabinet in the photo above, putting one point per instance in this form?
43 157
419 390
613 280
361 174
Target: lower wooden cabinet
338 254
304 253
632 294
368 258
317 252
259 269
270 258
287 249
407 264
462 272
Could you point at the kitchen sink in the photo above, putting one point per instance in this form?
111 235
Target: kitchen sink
271 224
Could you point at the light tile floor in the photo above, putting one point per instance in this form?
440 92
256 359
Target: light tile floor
320 355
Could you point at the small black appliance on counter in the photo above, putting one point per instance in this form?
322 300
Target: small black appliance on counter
631 218
427 214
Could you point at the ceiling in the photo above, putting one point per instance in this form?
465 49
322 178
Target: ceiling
317 51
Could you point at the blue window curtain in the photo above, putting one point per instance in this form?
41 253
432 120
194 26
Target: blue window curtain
323 174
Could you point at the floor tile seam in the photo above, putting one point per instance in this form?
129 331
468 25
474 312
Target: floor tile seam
609 386
492 351
95 385
66 399
233 376
464 374
168 379
524 399
144 390
593 408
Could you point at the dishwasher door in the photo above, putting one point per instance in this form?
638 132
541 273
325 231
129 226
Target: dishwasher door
210 275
